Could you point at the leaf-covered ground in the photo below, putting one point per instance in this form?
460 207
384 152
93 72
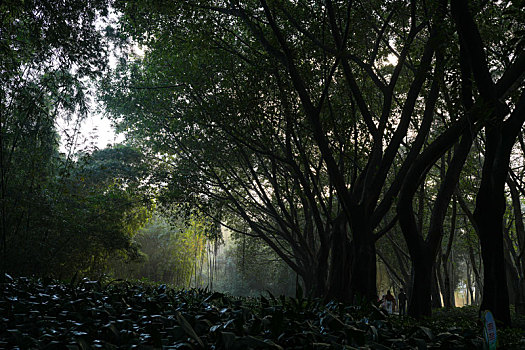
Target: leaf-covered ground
122 315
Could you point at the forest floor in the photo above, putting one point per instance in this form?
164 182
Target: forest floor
123 315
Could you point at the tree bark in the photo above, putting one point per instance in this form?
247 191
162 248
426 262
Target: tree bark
490 207
340 264
421 292
436 290
363 262
512 278
448 290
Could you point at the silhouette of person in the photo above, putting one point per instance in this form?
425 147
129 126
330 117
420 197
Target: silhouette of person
402 299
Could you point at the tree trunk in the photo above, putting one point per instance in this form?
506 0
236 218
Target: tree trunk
338 271
321 277
310 283
477 277
495 290
520 307
436 293
339 274
501 133
519 301
439 276
470 292
364 270
512 280
363 261
420 296
448 290
490 207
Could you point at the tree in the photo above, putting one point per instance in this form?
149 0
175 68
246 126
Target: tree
81 218
473 68
168 252
500 135
46 49
296 118
302 151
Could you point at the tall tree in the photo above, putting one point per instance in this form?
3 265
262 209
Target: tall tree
46 49
473 68
501 131
303 113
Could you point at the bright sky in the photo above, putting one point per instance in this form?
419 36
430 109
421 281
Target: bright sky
95 132
100 127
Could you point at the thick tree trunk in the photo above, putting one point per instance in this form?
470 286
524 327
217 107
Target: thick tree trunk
364 270
495 290
309 284
339 275
314 274
313 283
352 271
490 207
363 261
420 303
321 275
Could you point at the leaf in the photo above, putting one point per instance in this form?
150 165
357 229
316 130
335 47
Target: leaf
271 295
264 302
188 328
377 346
357 335
426 331
253 342
214 296
277 323
332 322
420 343
227 339
373 331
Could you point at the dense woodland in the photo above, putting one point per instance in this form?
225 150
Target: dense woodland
340 148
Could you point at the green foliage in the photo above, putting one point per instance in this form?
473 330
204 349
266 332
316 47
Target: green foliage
77 220
86 313
169 252
48 52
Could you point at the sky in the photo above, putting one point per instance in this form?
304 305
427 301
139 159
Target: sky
101 128
95 131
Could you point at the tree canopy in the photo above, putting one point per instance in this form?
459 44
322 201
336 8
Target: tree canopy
318 123
335 133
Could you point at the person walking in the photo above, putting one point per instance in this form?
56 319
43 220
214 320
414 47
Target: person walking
390 302
402 300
